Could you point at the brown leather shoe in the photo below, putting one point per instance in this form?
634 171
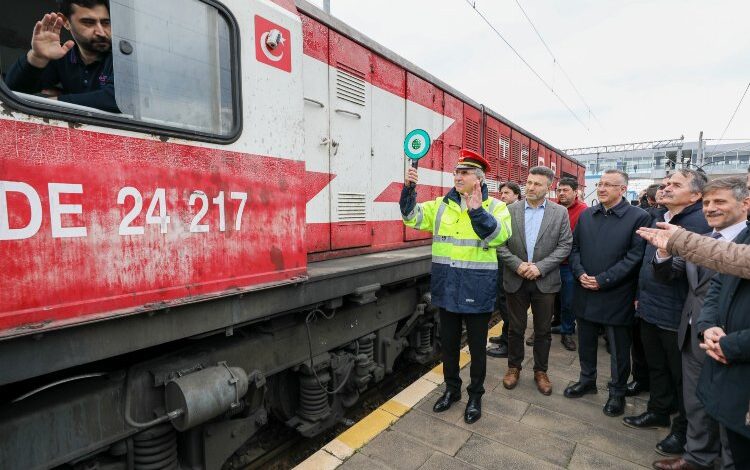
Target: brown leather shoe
674 464
511 378
542 383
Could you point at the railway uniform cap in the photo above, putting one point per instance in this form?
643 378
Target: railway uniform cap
468 159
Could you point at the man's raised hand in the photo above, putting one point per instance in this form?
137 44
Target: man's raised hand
475 198
411 176
45 41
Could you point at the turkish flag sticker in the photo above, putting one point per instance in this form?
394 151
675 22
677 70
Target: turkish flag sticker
272 44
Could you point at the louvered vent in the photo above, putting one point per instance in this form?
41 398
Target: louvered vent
504 147
534 157
351 207
515 152
492 150
472 135
524 155
492 186
350 85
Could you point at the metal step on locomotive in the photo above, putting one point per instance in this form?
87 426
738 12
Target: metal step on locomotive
226 248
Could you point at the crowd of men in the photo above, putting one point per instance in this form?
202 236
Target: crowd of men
670 322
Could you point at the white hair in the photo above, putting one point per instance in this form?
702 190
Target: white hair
480 174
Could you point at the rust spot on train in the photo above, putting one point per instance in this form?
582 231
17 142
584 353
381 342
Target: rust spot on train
277 258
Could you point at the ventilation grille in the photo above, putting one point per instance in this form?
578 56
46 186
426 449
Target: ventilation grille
350 85
492 150
492 186
515 152
504 147
351 207
534 157
472 135
524 155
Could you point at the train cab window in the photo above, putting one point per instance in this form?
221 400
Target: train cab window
167 64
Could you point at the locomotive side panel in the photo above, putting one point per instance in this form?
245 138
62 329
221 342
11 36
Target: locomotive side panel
103 222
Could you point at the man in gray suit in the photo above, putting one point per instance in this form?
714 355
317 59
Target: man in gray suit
725 204
541 239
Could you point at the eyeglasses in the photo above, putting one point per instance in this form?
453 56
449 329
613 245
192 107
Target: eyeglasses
601 184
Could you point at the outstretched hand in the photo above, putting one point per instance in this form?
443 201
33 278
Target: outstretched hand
45 41
658 236
475 198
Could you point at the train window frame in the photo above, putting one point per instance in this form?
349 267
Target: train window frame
49 109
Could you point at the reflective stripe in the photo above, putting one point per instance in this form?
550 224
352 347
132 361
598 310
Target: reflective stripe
439 216
493 204
495 233
418 213
464 264
456 241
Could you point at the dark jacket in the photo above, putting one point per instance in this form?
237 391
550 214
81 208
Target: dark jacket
90 85
606 246
724 390
698 279
659 302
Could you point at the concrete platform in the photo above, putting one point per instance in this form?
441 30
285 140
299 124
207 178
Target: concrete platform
519 428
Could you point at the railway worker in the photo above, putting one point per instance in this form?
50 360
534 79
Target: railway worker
510 192
605 259
531 259
567 196
78 71
467 227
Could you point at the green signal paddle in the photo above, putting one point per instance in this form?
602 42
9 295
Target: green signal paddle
416 145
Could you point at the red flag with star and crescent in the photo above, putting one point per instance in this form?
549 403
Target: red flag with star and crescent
279 56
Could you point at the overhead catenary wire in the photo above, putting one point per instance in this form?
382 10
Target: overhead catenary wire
731 118
557 62
473 5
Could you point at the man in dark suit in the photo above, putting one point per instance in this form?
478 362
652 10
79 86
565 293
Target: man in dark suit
659 311
540 240
605 260
725 204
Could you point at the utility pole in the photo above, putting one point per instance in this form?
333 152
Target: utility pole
327 6
700 150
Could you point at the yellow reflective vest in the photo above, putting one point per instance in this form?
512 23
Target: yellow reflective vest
464 242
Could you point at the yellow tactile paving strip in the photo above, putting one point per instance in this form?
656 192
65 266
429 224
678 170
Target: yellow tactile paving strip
338 450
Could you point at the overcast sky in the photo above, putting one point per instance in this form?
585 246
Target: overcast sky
648 69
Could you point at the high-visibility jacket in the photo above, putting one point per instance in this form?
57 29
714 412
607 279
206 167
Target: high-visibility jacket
464 261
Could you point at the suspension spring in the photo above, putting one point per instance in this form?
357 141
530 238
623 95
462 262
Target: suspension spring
424 338
313 400
367 346
155 449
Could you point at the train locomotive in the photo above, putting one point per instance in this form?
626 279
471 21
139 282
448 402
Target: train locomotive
228 247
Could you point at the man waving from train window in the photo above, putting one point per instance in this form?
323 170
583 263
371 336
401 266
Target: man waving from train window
78 71
467 226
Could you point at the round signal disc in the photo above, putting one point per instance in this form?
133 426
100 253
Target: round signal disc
416 144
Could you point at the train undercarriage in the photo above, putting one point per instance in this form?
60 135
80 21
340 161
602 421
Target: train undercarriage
140 392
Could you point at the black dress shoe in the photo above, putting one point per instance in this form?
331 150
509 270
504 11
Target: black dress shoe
635 387
446 401
496 340
647 420
473 410
579 389
673 444
615 406
501 350
568 342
